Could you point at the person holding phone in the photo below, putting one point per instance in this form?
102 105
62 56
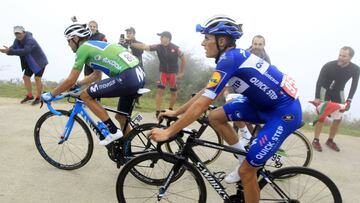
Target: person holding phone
126 42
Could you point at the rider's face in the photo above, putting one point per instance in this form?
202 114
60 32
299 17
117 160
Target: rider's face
72 44
209 44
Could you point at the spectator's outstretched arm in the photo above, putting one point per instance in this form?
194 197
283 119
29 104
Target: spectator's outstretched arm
28 46
140 46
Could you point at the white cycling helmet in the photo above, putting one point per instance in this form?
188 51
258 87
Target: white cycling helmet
221 25
80 30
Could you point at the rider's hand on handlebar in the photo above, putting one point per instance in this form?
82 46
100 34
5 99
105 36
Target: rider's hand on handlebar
47 97
159 135
76 86
166 113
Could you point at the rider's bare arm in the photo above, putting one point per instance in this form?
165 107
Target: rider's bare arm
67 83
94 76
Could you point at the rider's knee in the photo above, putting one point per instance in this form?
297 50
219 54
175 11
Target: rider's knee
247 171
215 118
85 96
119 117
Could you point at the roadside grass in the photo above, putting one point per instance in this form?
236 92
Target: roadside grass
147 104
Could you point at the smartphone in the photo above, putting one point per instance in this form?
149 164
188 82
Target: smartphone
122 36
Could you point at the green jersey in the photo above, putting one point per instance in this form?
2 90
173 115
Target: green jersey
111 59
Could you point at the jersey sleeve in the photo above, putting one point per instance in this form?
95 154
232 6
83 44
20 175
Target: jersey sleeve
179 52
80 58
354 82
220 77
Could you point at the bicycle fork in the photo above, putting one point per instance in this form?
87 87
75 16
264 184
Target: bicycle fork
169 179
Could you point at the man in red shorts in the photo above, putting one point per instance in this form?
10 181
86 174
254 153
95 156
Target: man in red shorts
168 54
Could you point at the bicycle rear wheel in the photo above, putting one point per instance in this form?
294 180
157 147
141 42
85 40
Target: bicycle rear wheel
304 185
72 153
296 150
189 187
207 155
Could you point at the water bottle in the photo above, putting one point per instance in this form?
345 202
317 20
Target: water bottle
103 128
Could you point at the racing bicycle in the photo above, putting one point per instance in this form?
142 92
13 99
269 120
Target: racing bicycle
180 178
65 141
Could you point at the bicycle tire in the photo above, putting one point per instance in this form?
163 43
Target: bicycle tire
72 153
296 150
207 155
129 189
304 185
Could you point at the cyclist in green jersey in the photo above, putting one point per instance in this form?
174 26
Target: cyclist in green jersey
125 76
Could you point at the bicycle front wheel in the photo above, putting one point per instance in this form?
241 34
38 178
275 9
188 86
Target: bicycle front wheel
299 184
71 154
296 150
189 187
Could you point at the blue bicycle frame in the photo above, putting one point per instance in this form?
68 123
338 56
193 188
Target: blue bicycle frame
99 129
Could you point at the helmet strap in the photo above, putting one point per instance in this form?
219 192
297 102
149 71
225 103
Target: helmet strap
218 48
221 51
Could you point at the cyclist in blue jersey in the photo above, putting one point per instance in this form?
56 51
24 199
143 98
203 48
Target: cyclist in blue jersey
125 76
270 97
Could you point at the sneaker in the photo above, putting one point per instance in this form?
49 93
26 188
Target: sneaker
36 101
332 145
316 145
233 177
111 137
27 98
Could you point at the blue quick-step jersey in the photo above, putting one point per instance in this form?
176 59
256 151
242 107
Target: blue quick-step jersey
263 84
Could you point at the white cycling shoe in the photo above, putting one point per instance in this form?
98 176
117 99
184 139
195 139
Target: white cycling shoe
233 177
111 137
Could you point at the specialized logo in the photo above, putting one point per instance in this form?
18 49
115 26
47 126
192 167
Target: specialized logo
215 79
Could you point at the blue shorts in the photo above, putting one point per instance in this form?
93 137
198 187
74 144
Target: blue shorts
124 86
279 123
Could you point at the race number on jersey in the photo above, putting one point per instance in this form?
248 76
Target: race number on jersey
289 86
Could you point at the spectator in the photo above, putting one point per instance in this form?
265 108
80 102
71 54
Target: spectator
125 42
257 48
95 35
32 58
168 54
330 87
130 38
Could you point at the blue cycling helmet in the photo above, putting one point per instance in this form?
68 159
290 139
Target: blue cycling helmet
221 25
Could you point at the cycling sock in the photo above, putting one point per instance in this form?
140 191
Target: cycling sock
111 126
238 145
245 133
29 94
